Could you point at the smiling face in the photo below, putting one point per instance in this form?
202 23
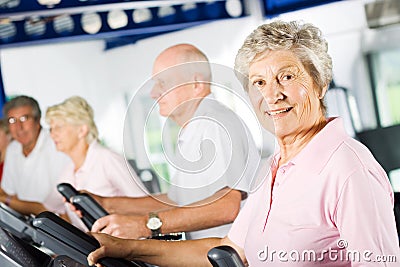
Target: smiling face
25 131
283 94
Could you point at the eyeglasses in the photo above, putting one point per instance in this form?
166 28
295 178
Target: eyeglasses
22 119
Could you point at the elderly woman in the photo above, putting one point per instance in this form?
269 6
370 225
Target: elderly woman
324 200
94 168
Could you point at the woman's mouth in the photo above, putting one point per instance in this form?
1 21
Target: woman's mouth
276 112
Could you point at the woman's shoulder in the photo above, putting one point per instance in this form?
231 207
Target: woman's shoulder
105 153
352 155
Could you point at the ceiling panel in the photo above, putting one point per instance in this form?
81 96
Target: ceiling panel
26 22
276 7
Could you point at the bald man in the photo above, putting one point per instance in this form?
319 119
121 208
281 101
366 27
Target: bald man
212 178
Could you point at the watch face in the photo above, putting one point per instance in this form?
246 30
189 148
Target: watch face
154 223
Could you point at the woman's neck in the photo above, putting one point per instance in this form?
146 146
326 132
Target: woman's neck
290 146
78 154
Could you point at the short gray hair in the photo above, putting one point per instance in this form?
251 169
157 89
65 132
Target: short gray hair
304 40
75 110
23 101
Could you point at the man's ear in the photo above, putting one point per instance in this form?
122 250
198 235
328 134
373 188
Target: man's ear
198 84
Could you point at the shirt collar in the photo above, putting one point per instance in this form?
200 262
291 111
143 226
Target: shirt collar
317 152
39 142
202 109
204 106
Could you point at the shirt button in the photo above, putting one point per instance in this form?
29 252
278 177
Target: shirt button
283 171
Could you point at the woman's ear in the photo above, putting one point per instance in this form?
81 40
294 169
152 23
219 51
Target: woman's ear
83 131
323 92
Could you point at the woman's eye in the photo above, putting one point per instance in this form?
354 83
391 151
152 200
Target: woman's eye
259 83
287 77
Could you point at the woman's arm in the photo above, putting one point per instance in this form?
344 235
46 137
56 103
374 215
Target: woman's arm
157 252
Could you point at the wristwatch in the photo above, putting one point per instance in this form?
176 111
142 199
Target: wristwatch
154 223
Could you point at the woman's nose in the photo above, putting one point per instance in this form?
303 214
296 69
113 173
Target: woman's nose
272 92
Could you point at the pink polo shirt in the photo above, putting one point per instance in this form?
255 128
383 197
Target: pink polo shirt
103 173
331 205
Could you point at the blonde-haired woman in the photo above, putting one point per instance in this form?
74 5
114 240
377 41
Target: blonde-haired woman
94 168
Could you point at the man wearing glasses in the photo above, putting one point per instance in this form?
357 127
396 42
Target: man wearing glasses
32 164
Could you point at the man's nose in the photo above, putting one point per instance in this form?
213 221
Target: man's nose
18 124
155 92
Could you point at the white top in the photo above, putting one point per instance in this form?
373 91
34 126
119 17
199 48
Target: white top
215 150
32 178
103 173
